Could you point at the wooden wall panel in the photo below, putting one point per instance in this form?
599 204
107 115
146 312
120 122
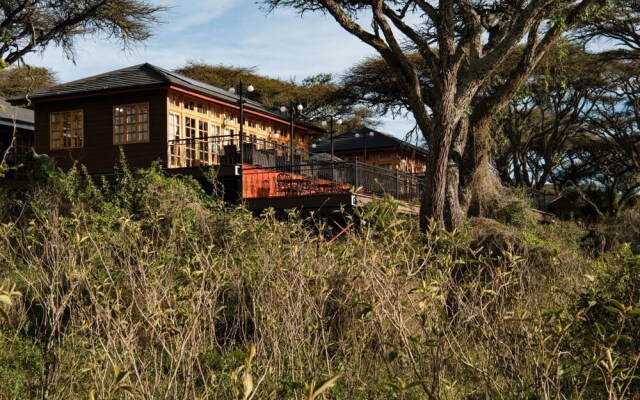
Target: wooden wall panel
99 154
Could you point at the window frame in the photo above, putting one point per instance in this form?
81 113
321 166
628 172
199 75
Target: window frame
61 138
125 124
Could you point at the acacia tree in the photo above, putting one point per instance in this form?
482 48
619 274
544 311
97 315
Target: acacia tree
20 80
609 159
462 44
319 94
547 117
31 25
619 26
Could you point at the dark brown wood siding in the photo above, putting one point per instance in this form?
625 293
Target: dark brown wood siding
99 154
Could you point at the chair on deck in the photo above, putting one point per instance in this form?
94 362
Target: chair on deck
283 181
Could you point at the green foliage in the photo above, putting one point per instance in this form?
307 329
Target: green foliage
18 81
319 94
314 93
41 23
146 287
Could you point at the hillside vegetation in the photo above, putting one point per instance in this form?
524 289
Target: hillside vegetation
149 288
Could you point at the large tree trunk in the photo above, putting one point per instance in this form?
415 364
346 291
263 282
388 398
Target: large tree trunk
475 180
432 204
462 176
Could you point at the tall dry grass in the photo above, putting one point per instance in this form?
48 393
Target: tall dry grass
148 288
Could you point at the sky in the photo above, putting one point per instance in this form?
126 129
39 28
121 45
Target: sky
280 44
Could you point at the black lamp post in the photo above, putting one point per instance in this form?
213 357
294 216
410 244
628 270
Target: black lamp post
292 113
232 90
332 120
331 132
364 138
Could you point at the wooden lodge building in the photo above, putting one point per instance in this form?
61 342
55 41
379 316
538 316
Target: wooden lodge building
376 148
154 114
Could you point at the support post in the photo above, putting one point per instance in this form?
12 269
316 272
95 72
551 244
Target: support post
356 172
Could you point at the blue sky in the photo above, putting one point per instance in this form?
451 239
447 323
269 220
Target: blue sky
236 32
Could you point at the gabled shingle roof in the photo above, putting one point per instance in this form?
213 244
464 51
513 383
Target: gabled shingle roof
349 142
148 75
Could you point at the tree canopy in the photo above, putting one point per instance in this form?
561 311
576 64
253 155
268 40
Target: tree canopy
32 25
20 80
461 44
320 95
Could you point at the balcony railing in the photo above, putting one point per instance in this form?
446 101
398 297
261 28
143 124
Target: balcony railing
327 178
224 150
274 171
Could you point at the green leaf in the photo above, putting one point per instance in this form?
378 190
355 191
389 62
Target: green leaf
120 375
5 299
92 394
4 315
551 311
326 385
634 311
617 304
135 392
613 309
416 383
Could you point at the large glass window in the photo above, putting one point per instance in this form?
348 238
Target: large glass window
131 123
66 130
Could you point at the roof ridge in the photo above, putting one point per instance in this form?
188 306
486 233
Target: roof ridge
94 77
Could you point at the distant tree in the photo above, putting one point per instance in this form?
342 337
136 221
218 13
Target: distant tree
32 25
462 45
319 94
547 117
618 26
607 158
18 81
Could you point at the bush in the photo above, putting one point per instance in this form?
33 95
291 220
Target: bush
148 287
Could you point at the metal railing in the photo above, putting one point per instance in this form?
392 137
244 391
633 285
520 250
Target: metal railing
324 178
225 150
19 161
265 159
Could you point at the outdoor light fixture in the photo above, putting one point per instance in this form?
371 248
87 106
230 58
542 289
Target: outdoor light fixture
292 112
331 122
250 88
364 138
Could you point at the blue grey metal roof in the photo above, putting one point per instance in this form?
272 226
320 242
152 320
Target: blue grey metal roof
349 142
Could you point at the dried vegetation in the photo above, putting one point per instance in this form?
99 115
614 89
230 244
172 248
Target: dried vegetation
150 289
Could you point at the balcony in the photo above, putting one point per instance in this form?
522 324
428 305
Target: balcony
270 170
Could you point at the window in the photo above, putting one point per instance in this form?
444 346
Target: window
189 105
66 130
131 123
174 100
174 127
201 108
215 112
175 146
